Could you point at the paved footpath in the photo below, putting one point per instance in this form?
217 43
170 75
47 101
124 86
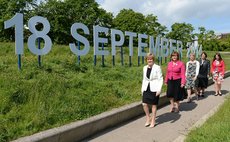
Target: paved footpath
170 126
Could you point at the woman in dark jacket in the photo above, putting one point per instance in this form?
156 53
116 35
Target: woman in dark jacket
204 73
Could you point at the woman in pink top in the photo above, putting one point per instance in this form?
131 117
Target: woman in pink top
217 70
175 81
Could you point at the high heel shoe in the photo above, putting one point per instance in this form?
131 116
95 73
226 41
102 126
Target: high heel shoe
172 110
189 100
176 110
152 125
202 95
147 124
220 94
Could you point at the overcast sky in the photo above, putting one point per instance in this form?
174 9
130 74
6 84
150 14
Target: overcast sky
211 14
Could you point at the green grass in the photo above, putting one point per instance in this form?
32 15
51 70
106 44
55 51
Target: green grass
215 129
60 91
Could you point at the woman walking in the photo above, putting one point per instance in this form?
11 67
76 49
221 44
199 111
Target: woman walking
175 81
192 71
151 89
203 75
217 70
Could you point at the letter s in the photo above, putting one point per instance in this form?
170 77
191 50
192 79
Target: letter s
80 38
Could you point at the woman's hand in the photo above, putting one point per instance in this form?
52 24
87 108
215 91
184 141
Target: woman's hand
158 93
194 78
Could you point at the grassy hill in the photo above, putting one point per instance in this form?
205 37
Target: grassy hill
61 91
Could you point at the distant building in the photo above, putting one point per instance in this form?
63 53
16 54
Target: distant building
223 35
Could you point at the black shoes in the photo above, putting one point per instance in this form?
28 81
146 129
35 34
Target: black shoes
201 94
189 100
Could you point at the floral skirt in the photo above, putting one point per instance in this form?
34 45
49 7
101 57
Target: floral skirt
218 77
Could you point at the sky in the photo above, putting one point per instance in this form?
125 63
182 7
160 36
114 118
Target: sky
211 14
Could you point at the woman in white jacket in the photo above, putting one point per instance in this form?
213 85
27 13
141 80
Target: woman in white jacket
151 88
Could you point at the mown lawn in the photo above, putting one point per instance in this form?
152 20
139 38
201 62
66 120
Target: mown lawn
215 129
61 91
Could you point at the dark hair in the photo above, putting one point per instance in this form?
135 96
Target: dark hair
204 54
175 53
218 54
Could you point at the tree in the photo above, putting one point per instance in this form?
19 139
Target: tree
207 39
205 35
224 44
153 26
8 9
62 14
128 20
182 32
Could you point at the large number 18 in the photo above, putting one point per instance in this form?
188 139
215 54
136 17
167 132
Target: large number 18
17 21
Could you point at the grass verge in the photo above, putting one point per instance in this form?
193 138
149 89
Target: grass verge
215 129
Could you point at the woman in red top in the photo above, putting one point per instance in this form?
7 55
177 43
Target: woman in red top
175 81
217 70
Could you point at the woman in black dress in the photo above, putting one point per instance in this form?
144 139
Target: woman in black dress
203 74
151 88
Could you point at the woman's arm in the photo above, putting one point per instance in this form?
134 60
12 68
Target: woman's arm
160 80
186 69
197 68
166 76
223 67
212 67
208 67
183 74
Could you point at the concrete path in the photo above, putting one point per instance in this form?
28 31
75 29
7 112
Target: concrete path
170 126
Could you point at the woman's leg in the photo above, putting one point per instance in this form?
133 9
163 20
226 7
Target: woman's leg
189 91
177 104
146 110
202 92
219 89
172 104
216 88
196 93
154 111
199 90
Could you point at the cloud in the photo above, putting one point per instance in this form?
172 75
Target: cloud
171 11
116 5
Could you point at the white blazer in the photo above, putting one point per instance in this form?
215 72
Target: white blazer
155 79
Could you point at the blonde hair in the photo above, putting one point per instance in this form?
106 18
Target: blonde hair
192 54
149 55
